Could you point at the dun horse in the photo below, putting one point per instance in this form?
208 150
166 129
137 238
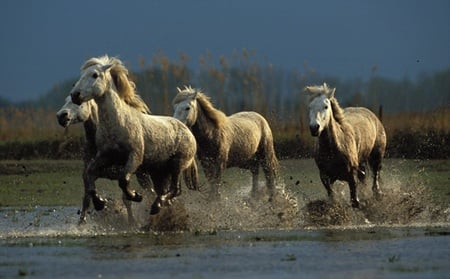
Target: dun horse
241 140
348 139
159 145
87 113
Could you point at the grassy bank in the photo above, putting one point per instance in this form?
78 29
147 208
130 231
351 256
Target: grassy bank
30 183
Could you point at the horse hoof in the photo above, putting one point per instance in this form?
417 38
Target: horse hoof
82 221
156 208
355 204
136 197
99 203
378 195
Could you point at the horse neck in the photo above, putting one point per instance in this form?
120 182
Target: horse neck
338 138
110 109
90 128
332 136
204 128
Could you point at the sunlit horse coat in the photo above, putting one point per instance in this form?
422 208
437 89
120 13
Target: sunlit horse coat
87 113
241 140
161 145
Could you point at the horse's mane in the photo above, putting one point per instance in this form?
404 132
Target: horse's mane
126 88
210 112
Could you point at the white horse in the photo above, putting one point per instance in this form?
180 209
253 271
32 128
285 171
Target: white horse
241 140
348 139
159 145
87 113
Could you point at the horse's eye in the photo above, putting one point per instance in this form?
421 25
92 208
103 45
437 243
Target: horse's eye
326 107
94 75
188 108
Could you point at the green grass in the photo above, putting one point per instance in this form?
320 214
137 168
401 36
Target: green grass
45 183
58 182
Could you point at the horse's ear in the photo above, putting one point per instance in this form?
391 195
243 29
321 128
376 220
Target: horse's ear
179 89
106 67
332 93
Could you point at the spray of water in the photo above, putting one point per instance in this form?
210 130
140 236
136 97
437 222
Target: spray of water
406 202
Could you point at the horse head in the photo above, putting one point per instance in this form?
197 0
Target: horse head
185 106
71 113
320 108
94 82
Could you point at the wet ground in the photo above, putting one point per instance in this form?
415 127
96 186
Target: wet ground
299 234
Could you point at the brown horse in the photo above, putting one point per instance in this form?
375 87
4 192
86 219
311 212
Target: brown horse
241 140
348 139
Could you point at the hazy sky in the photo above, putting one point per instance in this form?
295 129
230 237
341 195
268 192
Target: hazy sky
45 42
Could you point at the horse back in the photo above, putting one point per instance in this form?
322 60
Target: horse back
166 136
368 129
248 131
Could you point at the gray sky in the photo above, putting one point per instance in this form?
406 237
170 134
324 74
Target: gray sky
45 42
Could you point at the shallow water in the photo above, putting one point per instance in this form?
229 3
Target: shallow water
299 234
65 250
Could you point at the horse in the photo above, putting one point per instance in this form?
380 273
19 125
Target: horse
161 146
241 140
87 113
348 138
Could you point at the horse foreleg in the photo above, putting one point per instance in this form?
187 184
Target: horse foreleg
134 161
127 193
353 194
326 181
86 202
90 192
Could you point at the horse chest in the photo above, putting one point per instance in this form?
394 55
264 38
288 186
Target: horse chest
333 163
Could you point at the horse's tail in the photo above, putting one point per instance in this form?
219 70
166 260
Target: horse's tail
270 164
190 175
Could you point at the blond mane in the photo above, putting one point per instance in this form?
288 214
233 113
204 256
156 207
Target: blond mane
210 112
315 91
126 88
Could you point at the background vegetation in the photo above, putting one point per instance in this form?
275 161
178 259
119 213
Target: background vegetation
416 113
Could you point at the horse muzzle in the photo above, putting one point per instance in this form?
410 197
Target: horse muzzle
314 129
63 119
76 98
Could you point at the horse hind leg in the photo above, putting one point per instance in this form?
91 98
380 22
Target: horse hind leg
270 174
255 172
375 165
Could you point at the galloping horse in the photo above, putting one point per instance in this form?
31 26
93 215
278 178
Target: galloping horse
348 139
159 145
87 113
241 140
